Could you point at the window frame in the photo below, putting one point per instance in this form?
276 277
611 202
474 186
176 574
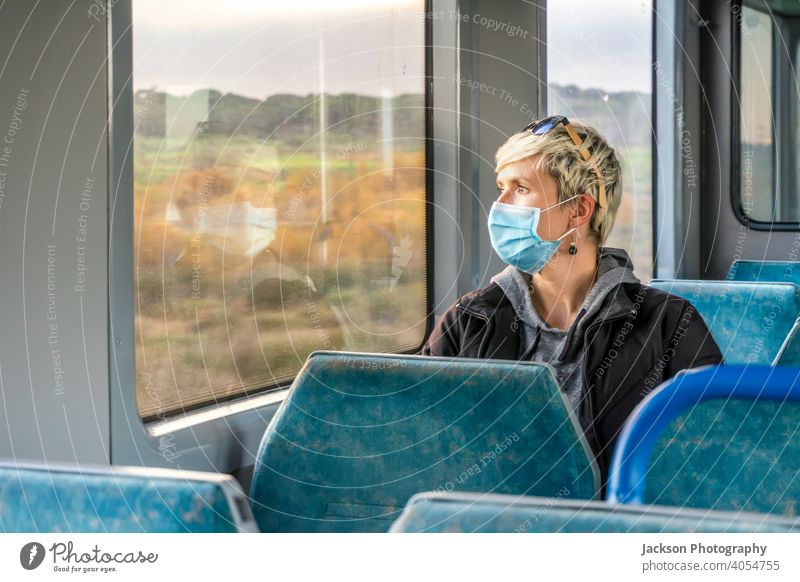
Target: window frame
778 62
204 437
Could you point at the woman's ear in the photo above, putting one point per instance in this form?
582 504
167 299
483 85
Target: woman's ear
584 209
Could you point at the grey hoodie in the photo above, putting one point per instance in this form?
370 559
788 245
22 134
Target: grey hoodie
563 349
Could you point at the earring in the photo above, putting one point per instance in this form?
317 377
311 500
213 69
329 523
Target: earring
573 248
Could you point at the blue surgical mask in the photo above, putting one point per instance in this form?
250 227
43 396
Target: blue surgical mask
512 230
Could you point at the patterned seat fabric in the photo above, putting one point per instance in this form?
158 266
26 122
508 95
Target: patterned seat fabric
468 513
765 271
719 437
749 321
120 499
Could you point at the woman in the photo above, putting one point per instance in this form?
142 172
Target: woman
564 298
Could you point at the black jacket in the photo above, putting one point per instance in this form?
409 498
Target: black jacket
640 337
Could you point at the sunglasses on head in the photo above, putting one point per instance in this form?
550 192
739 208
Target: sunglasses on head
543 126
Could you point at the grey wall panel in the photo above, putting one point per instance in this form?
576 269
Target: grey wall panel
53 241
679 138
500 88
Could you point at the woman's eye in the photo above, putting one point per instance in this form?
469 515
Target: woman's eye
522 190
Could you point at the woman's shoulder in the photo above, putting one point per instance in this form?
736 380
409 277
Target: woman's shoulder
652 295
675 320
456 327
483 301
654 304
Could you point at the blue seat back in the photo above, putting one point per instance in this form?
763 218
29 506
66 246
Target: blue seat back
465 512
773 271
56 498
789 354
749 321
719 437
765 271
359 434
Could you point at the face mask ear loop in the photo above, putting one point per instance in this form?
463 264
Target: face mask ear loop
560 203
574 228
566 233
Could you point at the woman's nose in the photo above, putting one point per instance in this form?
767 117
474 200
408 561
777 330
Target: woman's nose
506 197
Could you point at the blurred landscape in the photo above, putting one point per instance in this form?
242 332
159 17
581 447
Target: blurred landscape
251 252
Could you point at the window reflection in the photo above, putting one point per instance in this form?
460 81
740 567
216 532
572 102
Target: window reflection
755 126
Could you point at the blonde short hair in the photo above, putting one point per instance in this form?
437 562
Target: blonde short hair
574 175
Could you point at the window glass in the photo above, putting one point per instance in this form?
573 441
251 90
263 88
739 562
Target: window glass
599 69
755 124
769 99
279 187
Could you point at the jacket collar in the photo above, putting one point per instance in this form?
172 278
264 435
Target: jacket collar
490 301
487 301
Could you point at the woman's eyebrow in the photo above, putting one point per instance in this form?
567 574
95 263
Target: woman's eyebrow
516 179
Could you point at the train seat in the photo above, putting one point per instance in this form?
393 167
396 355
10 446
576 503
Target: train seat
58 498
717 437
478 513
789 354
359 434
776 272
750 321
765 271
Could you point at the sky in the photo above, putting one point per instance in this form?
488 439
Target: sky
261 47
254 48
601 43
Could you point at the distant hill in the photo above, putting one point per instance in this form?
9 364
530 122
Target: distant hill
286 117
291 118
624 117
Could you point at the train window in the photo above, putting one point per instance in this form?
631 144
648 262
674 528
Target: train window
279 190
761 163
599 68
